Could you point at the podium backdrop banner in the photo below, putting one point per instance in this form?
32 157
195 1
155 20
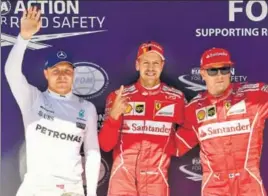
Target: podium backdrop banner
103 37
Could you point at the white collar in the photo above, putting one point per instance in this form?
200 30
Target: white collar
152 88
58 96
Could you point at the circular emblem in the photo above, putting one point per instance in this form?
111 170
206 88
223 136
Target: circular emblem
5 7
201 115
90 80
61 55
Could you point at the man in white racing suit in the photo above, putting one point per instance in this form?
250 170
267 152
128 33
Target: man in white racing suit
56 123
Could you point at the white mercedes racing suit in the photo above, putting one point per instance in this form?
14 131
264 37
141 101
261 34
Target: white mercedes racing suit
55 128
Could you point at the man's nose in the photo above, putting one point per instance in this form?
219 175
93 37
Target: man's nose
62 74
219 75
150 66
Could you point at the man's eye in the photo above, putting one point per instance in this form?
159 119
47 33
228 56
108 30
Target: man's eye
68 71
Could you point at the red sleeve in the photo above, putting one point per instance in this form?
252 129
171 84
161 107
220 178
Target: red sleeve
108 135
263 96
179 120
180 107
186 137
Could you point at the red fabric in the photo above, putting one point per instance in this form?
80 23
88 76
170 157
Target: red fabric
142 140
229 130
215 57
151 46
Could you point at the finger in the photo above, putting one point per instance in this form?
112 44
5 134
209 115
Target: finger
34 12
121 90
39 24
122 100
37 17
24 15
119 93
30 12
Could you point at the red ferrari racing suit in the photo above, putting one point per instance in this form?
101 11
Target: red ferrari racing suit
229 130
142 140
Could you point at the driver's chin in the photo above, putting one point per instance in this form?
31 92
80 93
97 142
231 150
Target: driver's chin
220 90
152 78
151 81
62 89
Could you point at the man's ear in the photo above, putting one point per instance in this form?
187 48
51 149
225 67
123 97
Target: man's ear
203 74
46 73
163 63
137 65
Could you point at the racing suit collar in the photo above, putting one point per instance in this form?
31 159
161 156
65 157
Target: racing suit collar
226 93
58 96
145 91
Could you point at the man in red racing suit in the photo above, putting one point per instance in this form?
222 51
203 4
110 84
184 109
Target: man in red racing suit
143 136
229 128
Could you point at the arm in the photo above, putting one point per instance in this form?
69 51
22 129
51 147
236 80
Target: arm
186 137
92 153
264 100
24 93
109 133
179 119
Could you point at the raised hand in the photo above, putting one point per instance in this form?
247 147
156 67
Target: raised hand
30 22
119 105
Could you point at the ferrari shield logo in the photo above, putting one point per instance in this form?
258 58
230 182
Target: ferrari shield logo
157 106
227 105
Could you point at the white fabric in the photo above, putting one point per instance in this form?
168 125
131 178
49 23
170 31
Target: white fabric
55 128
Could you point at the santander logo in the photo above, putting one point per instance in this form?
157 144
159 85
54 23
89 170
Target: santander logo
147 127
224 129
202 134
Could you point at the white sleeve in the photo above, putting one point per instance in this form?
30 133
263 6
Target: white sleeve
92 153
24 93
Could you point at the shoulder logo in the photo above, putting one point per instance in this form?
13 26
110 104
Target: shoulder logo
164 108
201 115
81 113
139 108
211 111
128 109
157 105
135 109
238 108
227 105
206 113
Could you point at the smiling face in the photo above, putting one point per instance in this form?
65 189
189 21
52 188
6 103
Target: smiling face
150 66
60 78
